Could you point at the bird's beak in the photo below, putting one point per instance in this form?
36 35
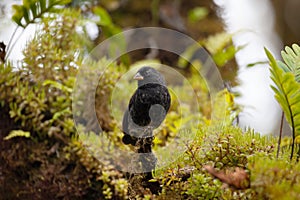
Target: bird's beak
138 77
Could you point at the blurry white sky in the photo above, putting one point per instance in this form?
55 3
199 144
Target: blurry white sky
254 20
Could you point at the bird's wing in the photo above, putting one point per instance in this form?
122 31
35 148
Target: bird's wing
139 105
158 111
157 115
126 125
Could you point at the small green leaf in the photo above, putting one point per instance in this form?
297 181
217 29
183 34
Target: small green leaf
105 19
257 63
198 14
18 14
58 86
33 9
26 3
217 42
17 133
26 16
42 6
61 113
222 57
291 57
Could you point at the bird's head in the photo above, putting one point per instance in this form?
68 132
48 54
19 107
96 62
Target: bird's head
148 75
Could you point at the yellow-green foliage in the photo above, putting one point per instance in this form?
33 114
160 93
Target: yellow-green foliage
225 111
55 51
232 146
228 147
203 186
286 79
223 147
37 98
17 133
35 102
274 178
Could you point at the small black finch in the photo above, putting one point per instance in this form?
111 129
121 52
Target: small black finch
147 107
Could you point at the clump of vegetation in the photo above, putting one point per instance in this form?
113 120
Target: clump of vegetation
286 77
273 178
43 154
231 148
40 153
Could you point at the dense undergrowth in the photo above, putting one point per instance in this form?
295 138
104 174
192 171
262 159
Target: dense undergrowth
43 155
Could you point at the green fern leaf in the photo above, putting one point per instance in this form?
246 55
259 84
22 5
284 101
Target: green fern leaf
34 9
31 10
287 92
291 57
42 6
18 15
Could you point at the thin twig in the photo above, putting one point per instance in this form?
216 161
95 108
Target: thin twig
12 37
13 44
293 143
280 134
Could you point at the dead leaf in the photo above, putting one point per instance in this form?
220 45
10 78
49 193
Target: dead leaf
237 178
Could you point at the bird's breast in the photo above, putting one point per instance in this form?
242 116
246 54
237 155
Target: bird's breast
142 101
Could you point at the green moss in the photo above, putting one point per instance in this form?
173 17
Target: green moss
273 178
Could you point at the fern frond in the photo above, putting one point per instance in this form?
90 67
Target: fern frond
31 10
291 57
287 93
